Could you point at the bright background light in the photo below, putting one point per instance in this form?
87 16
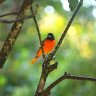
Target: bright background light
94 12
65 5
49 10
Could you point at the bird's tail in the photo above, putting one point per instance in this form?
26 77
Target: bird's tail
34 60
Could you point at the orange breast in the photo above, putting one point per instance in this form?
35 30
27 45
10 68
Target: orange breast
48 47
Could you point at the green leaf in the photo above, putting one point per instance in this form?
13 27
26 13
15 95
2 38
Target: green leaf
3 80
72 4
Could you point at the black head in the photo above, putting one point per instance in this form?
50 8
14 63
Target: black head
50 36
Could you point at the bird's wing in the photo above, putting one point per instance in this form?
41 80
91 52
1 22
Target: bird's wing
42 44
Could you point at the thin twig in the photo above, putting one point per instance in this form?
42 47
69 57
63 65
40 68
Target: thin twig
15 20
39 35
52 67
7 14
67 76
66 30
44 74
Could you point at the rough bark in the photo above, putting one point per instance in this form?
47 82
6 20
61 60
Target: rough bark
14 32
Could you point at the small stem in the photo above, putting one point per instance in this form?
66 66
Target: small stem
39 35
7 14
16 20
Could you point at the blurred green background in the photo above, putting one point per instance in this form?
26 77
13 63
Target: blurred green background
77 54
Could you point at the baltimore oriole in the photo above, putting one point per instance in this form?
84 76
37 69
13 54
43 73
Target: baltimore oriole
48 44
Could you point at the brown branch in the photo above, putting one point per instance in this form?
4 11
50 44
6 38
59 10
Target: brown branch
46 63
52 67
45 72
66 76
15 20
38 31
41 84
15 30
47 90
66 30
44 75
7 14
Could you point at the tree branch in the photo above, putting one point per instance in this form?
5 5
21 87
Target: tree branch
46 63
7 14
15 30
43 78
52 67
38 31
65 31
66 76
45 72
15 20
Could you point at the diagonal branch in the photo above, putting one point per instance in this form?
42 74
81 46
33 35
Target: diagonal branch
39 35
46 62
7 14
66 30
44 73
67 76
15 30
15 20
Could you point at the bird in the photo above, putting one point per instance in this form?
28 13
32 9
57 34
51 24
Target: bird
48 45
